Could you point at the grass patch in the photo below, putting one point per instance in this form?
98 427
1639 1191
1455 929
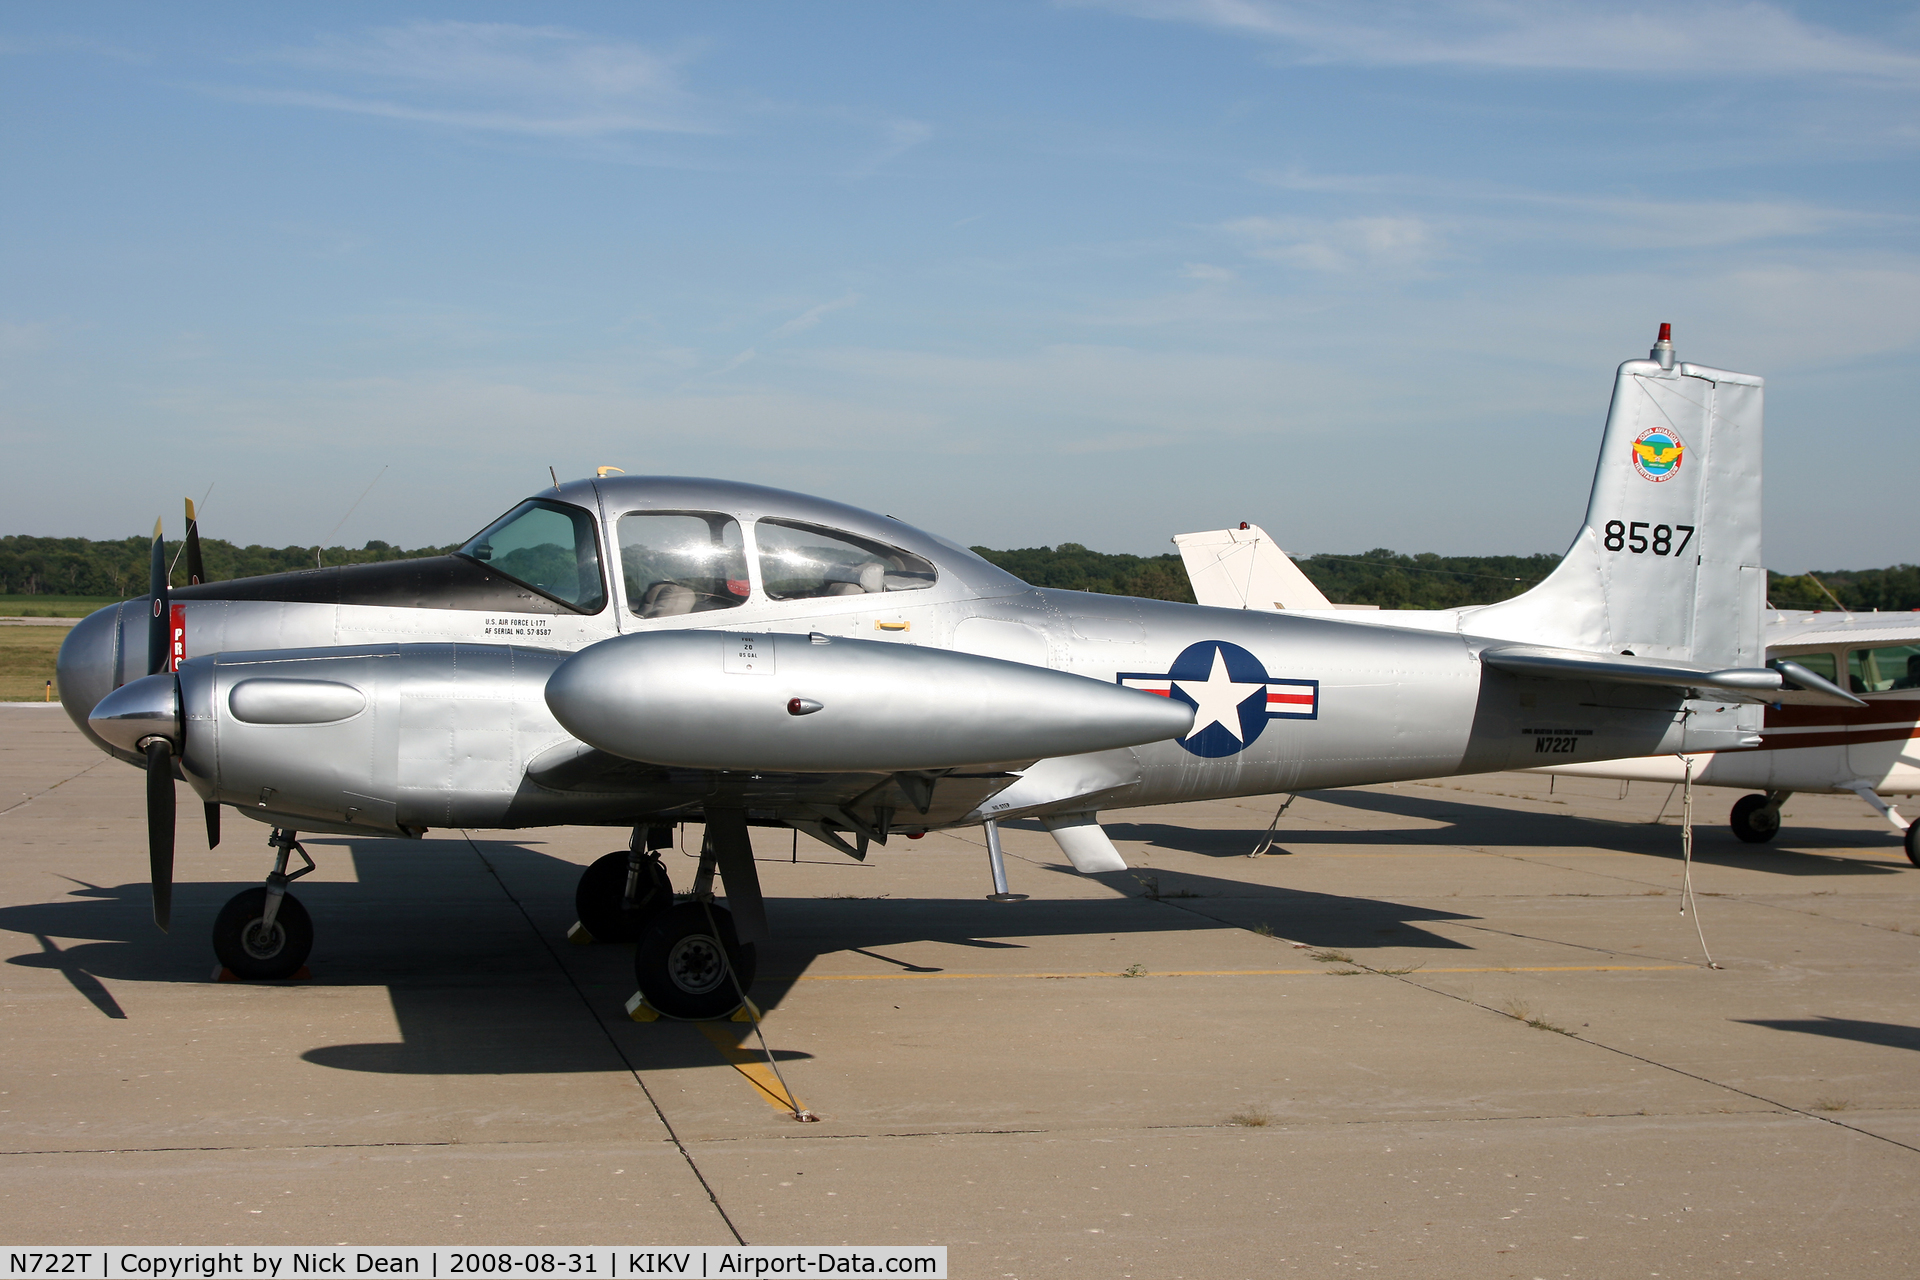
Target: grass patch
26 662
56 606
1833 1104
1251 1118
1263 929
1330 956
1134 971
1346 973
1401 973
1521 1011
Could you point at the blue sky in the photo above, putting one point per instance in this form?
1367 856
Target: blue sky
1019 273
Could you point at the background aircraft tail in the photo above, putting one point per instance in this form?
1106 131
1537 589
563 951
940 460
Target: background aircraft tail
1667 564
1245 569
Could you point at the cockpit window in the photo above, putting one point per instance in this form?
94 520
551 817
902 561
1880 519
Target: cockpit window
1878 670
805 561
677 562
548 546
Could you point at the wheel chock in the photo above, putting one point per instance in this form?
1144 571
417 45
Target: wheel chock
223 974
580 936
747 1012
640 1011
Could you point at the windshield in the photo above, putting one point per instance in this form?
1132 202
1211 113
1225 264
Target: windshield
677 562
548 546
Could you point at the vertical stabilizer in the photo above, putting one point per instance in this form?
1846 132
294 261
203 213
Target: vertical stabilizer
1667 564
1244 569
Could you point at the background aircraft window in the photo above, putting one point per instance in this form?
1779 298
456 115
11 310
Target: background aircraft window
676 562
804 561
1821 664
1878 670
547 546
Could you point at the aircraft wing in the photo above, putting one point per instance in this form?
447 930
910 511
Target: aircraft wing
1736 684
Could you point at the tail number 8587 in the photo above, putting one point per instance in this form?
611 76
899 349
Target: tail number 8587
1634 537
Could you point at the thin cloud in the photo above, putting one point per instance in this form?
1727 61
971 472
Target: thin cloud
490 77
1336 244
1702 38
1602 219
813 315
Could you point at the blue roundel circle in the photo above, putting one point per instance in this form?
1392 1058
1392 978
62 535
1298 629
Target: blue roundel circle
1235 689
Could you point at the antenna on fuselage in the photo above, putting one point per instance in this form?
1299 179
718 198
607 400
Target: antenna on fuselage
556 479
604 472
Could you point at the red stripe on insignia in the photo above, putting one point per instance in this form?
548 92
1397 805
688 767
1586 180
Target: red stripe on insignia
1296 699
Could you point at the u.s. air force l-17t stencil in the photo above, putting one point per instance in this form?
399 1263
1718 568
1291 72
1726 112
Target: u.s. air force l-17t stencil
1231 694
705 651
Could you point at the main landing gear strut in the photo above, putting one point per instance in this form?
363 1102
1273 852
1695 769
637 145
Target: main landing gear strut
693 959
265 933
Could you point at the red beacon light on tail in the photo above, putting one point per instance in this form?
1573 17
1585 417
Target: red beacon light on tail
1663 349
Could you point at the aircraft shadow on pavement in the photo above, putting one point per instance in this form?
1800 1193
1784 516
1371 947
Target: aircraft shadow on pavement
473 954
1891 1034
1798 851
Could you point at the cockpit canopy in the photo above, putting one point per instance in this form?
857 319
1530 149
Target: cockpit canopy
687 546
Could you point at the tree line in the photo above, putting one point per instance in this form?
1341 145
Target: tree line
32 566
1393 580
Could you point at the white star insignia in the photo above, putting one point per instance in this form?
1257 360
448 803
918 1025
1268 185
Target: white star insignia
1218 698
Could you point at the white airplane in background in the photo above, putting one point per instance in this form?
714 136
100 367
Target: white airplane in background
1868 749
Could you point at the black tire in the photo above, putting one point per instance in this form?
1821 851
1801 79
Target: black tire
678 963
598 898
1913 842
1754 820
238 944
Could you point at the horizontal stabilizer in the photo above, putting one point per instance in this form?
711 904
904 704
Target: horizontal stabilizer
1741 684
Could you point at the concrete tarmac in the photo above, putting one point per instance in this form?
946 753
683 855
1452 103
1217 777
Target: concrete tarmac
1456 1028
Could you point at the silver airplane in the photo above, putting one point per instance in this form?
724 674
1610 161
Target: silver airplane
640 652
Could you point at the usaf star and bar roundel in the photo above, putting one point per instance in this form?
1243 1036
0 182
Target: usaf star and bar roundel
1231 695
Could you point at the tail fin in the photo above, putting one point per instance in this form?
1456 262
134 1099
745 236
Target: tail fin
1244 569
1668 562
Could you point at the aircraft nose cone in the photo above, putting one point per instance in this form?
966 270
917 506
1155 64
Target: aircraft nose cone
86 663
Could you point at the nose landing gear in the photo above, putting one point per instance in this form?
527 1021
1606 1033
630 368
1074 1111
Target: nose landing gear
265 933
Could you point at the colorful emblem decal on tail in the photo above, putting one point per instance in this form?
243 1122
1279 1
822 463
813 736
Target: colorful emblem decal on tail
1231 695
1657 452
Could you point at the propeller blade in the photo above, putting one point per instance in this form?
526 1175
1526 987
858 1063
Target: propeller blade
213 825
160 625
160 828
196 567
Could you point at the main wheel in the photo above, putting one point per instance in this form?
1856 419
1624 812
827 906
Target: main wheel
600 898
1913 842
681 965
252 952
1754 820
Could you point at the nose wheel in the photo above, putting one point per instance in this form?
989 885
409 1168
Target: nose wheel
265 933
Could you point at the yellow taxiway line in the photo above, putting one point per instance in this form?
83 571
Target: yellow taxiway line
750 1065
